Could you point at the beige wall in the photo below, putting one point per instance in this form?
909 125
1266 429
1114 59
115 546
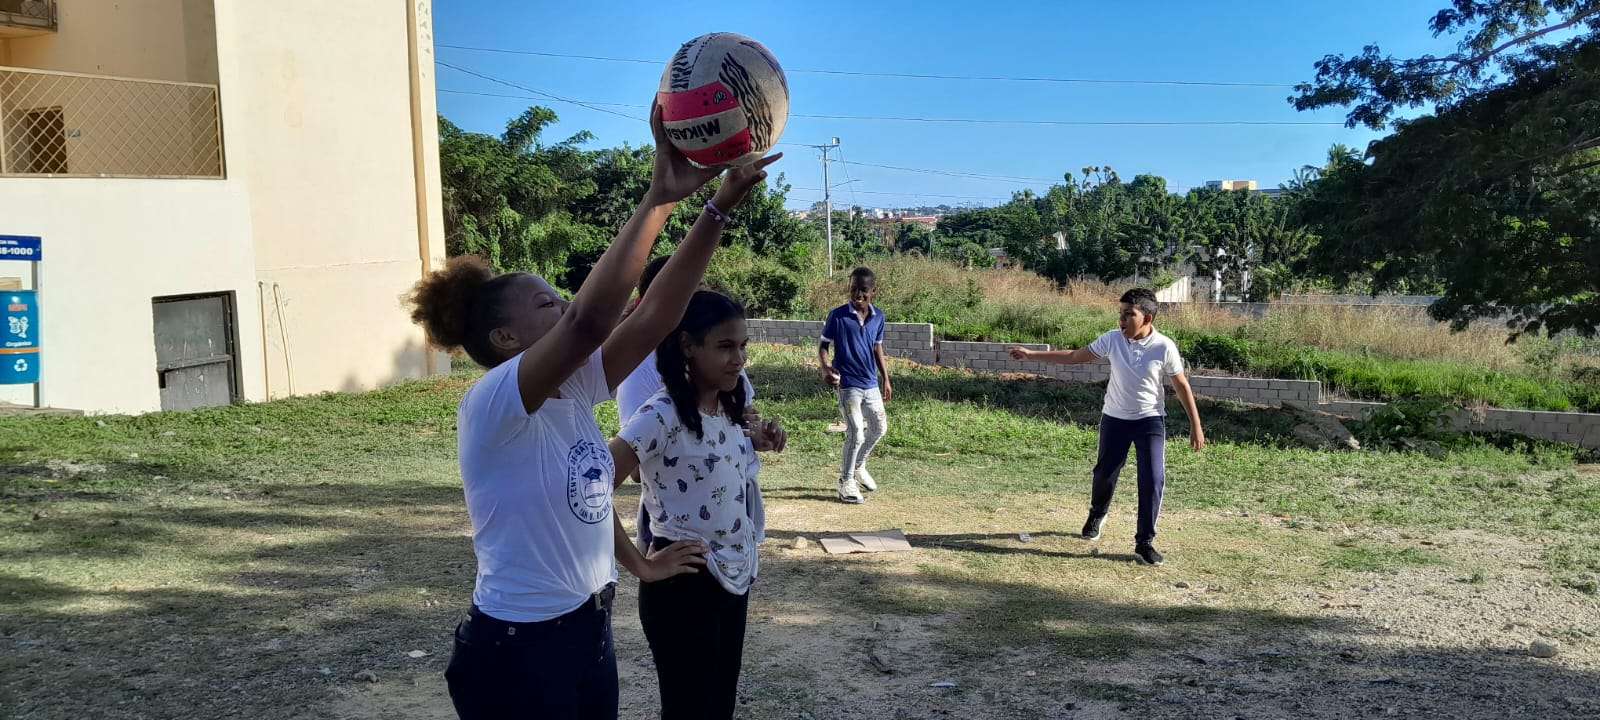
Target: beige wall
329 213
110 246
318 110
151 39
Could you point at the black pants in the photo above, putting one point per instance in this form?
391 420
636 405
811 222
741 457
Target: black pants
561 669
1148 436
696 634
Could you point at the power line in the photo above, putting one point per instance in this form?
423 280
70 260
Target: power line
847 179
1071 123
901 75
591 104
910 194
954 173
594 105
951 173
524 88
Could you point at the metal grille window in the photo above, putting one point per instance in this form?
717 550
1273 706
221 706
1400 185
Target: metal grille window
69 124
28 14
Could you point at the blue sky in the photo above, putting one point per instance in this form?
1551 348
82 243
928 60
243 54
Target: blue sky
1250 41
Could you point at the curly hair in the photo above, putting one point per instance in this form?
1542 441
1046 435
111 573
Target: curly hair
459 305
706 310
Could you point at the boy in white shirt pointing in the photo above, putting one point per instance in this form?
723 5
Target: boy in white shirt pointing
1134 412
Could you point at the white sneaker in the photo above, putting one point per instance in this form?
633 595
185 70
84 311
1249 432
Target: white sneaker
865 480
849 493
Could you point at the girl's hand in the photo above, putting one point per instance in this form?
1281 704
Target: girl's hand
674 178
1020 353
738 182
679 558
768 436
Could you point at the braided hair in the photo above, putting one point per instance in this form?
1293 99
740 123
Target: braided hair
706 310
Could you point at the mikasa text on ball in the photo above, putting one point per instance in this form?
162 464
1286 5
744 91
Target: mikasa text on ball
724 100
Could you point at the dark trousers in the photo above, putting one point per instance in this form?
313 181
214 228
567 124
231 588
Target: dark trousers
562 669
696 634
1148 436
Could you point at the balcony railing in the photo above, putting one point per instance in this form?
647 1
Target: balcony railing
27 17
72 125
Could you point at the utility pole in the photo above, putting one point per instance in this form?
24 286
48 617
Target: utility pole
827 199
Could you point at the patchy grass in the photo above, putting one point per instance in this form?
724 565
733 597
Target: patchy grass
1576 564
1381 354
1366 558
251 559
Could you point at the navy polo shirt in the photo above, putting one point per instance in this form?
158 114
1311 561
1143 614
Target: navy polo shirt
853 345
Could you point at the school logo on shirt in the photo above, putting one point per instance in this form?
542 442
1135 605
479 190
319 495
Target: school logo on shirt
589 474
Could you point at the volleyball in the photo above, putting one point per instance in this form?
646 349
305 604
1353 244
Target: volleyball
724 100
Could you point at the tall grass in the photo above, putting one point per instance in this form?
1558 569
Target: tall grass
1372 353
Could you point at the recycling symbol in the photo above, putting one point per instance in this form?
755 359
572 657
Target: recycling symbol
21 366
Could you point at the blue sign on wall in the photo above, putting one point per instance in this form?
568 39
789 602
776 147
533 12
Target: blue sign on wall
19 337
21 247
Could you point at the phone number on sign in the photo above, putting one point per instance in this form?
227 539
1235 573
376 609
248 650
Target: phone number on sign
18 251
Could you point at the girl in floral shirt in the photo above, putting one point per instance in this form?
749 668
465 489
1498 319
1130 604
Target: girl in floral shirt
696 454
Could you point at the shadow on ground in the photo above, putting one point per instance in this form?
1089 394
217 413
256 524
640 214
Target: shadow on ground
327 588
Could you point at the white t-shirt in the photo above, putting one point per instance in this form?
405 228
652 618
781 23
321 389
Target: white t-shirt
538 491
644 381
1138 370
699 488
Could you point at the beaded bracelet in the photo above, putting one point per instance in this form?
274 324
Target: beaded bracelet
716 214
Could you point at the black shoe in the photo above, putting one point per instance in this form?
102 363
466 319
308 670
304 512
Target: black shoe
1091 527
1148 555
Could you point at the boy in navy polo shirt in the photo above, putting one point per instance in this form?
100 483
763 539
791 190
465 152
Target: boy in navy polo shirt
861 375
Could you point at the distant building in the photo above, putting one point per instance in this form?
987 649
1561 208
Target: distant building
1231 185
1250 185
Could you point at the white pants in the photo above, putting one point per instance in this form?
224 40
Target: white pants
864 425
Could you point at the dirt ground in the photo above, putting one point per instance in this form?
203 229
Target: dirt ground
1417 642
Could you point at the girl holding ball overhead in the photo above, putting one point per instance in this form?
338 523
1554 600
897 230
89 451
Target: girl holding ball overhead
537 474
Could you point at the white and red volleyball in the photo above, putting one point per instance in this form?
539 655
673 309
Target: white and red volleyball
724 100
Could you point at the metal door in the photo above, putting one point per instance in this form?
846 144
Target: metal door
195 359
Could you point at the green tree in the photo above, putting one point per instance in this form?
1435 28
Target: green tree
912 236
1248 240
553 209
854 239
1494 192
509 198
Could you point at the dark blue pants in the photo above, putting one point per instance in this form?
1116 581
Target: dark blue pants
564 668
1148 436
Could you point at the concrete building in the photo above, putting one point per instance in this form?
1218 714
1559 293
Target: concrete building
233 196
1232 185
